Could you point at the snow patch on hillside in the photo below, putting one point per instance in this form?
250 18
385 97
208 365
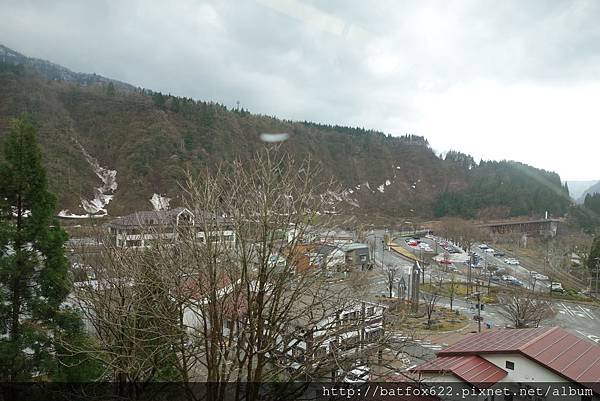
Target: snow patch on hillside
65 214
160 202
103 195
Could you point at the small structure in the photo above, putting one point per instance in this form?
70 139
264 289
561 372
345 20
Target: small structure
338 237
357 255
303 257
333 257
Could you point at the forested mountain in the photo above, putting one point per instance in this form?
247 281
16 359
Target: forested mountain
577 188
593 189
91 126
511 188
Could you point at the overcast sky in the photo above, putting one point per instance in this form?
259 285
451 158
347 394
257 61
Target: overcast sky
497 79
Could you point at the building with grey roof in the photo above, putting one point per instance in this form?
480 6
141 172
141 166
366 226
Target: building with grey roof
141 229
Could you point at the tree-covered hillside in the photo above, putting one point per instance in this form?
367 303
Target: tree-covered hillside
151 138
515 188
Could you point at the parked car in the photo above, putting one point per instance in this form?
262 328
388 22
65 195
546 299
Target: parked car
499 254
360 374
489 250
557 287
537 275
483 246
511 261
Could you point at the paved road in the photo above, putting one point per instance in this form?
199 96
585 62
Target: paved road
518 271
579 319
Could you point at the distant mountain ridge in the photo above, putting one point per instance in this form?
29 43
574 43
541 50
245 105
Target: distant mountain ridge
144 140
591 190
57 72
578 187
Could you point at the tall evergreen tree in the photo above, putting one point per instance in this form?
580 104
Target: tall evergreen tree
34 280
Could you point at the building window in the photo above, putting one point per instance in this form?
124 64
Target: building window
510 365
370 311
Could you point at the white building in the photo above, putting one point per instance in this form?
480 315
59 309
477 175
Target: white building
141 229
518 359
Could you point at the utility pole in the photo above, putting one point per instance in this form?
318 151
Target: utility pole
423 266
471 257
478 312
478 295
597 270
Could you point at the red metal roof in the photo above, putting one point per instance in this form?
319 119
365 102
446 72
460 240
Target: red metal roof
496 341
572 357
470 368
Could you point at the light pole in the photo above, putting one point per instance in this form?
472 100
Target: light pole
469 287
597 270
478 311
532 280
478 295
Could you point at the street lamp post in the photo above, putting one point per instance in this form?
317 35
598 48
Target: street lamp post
597 270
532 280
478 294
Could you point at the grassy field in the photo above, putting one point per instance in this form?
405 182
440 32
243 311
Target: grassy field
461 291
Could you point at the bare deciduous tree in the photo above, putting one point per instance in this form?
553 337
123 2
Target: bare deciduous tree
452 287
431 298
390 272
523 309
194 305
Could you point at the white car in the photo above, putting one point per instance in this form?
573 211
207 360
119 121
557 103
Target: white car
483 246
557 287
357 375
539 276
511 261
490 250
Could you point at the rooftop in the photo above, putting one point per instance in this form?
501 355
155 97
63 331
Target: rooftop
575 358
352 247
470 368
162 217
